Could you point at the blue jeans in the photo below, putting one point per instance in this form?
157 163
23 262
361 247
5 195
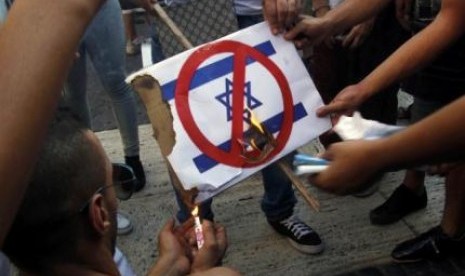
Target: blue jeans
103 42
279 199
157 50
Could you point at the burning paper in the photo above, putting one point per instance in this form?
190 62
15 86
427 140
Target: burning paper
214 90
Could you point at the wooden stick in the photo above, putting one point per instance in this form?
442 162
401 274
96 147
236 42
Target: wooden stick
310 199
173 27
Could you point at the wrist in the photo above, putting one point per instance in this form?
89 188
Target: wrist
365 90
166 266
379 155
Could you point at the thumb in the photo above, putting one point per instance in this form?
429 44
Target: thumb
333 107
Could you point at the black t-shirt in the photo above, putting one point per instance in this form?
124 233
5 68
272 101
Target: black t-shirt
444 79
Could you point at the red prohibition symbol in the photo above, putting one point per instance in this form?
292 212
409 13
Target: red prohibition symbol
241 52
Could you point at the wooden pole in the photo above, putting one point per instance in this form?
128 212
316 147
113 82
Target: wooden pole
173 27
309 198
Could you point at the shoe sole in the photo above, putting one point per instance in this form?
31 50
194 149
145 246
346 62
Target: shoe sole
406 261
307 249
125 231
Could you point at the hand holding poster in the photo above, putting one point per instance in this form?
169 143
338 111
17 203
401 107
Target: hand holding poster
214 90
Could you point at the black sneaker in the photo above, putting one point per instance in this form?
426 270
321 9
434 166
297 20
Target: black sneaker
402 202
432 245
299 234
136 165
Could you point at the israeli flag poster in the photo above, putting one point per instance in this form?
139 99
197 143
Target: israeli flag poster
217 91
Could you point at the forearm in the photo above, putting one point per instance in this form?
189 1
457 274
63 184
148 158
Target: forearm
439 137
165 267
352 12
37 45
419 51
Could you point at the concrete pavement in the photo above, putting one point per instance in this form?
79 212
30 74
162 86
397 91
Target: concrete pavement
255 249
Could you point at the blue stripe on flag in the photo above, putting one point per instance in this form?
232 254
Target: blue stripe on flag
273 125
215 70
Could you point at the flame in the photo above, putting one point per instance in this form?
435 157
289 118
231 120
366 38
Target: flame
195 212
255 122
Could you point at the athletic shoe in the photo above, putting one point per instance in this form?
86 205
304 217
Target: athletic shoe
301 236
402 202
431 245
124 224
136 165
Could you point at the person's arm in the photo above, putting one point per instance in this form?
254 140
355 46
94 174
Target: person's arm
448 26
37 45
312 31
439 137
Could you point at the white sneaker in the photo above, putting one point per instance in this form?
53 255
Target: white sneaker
124 224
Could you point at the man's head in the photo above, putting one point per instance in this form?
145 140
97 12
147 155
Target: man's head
62 213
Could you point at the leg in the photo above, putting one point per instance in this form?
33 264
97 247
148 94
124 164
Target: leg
444 240
157 50
130 32
104 42
410 196
279 200
453 220
278 204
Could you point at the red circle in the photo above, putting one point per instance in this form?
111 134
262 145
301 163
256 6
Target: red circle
186 74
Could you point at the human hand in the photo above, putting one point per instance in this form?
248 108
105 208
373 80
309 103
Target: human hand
353 163
174 251
358 34
213 250
281 14
403 9
309 31
345 103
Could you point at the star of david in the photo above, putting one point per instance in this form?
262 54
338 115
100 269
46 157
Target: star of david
226 100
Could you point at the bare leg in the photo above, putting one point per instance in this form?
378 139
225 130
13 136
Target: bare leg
129 29
453 220
414 180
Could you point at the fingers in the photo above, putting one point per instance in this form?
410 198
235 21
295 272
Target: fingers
169 226
337 108
297 30
221 238
208 233
270 14
349 38
186 226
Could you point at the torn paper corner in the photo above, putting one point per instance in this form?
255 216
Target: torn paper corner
356 127
158 110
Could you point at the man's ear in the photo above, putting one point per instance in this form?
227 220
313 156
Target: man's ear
99 215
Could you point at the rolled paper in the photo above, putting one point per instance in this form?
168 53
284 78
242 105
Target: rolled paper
198 232
305 159
309 169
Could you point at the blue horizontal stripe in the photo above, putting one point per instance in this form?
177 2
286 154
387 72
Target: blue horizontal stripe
215 70
273 125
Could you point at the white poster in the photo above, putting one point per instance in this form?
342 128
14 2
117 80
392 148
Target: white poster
213 91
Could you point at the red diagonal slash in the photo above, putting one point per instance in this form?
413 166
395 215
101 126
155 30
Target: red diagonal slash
241 52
